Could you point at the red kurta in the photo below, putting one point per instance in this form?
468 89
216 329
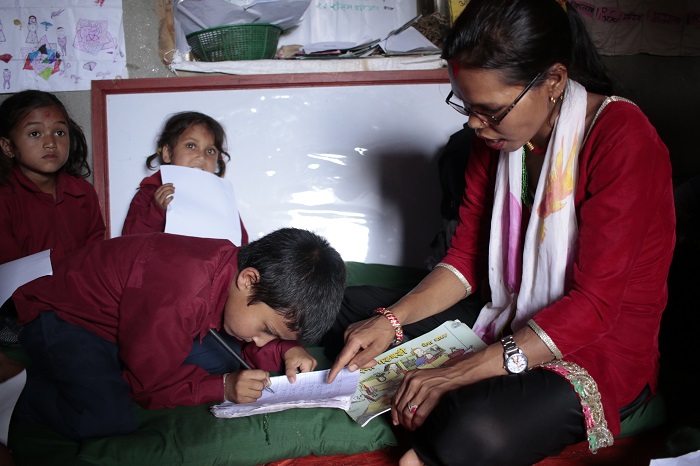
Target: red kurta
125 291
145 216
32 221
608 320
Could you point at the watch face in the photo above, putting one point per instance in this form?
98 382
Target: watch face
516 363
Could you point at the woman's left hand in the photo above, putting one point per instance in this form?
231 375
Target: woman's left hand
296 360
419 393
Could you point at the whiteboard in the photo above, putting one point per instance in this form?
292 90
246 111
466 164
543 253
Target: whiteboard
351 156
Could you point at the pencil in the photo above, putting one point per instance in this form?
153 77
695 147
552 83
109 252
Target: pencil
235 355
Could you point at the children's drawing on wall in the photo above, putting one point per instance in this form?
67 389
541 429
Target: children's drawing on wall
44 61
64 46
32 37
62 40
93 37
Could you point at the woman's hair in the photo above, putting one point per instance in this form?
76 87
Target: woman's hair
176 125
522 38
16 107
301 277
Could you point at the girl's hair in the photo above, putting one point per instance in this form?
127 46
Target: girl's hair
522 38
176 125
16 107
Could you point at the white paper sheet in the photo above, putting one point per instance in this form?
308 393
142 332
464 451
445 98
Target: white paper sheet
309 391
16 273
409 41
690 459
203 205
9 393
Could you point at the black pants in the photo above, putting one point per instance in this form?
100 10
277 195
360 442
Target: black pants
75 385
508 420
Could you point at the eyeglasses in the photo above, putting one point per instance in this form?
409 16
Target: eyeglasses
489 119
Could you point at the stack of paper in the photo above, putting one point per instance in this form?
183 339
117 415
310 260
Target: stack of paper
310 390
339 49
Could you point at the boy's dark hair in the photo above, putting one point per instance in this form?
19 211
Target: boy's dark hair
176 125
301 277
522 38
17 106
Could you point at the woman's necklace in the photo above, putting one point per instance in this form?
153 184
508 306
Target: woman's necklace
525 195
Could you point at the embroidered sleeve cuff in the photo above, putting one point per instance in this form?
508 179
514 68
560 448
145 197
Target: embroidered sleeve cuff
460 277
545 338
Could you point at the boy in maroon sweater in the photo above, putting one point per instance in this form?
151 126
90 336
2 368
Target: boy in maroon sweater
128 319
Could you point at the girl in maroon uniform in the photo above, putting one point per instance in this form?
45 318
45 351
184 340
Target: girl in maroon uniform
45 202
188 139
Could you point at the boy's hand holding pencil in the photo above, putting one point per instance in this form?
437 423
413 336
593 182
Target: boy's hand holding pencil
245 386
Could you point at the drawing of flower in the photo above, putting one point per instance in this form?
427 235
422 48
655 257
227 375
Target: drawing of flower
43 60
92 36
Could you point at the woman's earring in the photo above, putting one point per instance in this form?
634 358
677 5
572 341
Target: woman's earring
552 99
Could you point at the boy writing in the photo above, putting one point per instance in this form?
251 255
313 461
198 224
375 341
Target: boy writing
128 319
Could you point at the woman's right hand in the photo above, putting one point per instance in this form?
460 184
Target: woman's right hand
164 195
364 341
369 338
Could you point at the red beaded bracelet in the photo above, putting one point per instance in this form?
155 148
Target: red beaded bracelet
398 330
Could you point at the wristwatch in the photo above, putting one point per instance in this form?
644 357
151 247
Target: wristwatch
515 361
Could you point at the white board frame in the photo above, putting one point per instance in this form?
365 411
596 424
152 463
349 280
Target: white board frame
352 156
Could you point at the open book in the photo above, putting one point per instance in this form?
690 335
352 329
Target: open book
366 393
447 344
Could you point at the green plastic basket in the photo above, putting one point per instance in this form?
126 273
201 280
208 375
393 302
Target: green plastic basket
235 42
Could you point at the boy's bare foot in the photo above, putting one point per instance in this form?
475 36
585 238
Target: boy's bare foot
8 367
410 458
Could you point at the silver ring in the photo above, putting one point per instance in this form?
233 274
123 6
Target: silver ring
412 408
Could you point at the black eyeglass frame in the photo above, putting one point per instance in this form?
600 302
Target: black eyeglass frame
490 119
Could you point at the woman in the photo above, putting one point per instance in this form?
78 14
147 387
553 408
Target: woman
568 212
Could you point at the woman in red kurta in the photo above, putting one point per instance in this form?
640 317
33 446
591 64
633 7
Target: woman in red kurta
568 217
188 139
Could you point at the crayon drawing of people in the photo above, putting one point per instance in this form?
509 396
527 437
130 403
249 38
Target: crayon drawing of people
62 40
32 26
6 74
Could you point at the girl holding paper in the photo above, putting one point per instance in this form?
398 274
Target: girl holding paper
188 139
